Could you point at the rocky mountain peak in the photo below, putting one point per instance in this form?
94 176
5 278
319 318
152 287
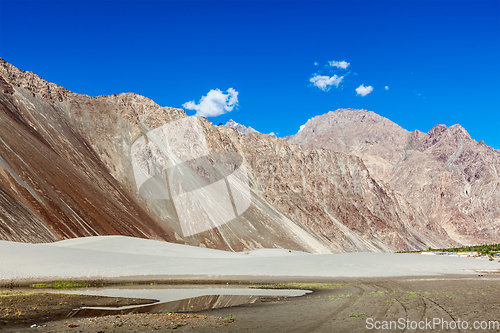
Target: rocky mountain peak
457 129
240 128
359 132
33 83
444 173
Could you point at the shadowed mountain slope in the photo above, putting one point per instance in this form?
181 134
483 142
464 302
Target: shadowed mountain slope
68 169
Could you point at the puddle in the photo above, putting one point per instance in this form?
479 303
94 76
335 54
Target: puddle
192 304
176 300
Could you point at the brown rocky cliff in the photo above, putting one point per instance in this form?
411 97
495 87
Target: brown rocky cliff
65 171
455 181
447 176
47 168
332 195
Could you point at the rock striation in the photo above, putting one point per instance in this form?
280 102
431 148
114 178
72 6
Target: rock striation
453 180
68 169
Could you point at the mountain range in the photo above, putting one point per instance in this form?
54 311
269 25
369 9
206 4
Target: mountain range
447 176
349 181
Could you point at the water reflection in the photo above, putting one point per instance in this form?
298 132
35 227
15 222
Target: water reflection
169 299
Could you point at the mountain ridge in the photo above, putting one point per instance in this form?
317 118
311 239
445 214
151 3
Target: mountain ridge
418 164
67 159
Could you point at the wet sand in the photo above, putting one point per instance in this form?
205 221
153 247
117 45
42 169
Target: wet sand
336 305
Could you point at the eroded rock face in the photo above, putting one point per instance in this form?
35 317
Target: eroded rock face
450 178
66 170
332 195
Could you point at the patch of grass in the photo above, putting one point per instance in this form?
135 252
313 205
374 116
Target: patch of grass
296 285
411 294
376 293
339 297
9 293
66 284
356 315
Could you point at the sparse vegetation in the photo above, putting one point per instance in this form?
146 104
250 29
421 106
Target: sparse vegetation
484 249
9 293
376 293
339 297
307 286
67 284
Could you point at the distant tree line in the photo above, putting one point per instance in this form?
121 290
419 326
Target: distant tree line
484 249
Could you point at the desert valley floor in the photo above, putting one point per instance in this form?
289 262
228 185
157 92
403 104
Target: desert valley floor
336 305
349 291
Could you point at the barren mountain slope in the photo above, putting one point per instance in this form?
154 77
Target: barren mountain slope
449 177
69 167
377 140
455 181
330 194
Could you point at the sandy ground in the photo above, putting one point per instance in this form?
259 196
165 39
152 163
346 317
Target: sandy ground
336 305
347 308
349 289
119 256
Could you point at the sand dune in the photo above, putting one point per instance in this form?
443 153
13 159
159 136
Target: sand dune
120 256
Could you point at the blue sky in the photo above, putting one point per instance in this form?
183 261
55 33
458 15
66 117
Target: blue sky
439 59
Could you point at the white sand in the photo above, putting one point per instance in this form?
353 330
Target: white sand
119 256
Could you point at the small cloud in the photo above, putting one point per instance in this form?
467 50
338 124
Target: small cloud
324 82
214 103
302 126
386 87
272 134
316 63
363 91
339 64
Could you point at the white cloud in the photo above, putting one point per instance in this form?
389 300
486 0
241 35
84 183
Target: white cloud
339 64
363 91
316 63
272 134
214 103
324 82
386 87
